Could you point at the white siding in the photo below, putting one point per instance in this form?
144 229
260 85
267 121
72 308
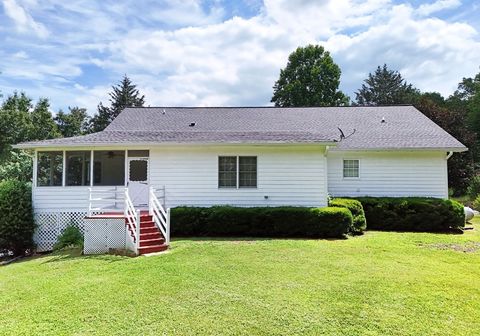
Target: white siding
390 174
294 175
58 199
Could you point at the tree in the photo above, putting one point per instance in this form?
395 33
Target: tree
125 94
73 123
43 125
461 165
311 78
386 87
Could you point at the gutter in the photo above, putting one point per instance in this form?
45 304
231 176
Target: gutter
449 155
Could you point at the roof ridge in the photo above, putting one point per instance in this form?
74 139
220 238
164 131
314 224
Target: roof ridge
263 107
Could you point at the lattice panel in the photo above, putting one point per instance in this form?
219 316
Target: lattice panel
51 224
102 234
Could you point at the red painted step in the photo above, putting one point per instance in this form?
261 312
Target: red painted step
153 249
150 235
151 242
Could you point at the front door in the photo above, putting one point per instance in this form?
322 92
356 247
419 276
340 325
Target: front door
138 181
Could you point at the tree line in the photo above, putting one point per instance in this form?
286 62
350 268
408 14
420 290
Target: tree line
310 78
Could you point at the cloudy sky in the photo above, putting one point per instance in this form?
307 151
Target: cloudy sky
225 53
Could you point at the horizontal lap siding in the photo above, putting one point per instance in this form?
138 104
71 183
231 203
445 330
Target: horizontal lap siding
60 198
288 176
390 174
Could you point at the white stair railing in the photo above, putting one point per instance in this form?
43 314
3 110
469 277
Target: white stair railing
132 218
102 199
160 217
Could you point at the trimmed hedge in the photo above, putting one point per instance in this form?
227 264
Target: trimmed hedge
412 214
16 219
359 221
227 221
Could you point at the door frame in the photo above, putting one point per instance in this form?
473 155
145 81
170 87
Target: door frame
127 177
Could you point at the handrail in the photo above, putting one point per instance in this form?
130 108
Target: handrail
103 199
160 217
132 220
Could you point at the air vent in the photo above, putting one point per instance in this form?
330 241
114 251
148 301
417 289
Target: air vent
192 124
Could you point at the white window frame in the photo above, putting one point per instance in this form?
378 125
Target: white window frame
237 164
343 169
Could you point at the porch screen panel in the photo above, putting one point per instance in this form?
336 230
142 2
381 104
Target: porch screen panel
78 168
49 169
109 168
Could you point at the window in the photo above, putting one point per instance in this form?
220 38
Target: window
49 169
351 168
237 172
77 168
227 172
247 168
109 168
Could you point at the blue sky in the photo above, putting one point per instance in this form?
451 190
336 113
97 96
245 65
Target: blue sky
225 53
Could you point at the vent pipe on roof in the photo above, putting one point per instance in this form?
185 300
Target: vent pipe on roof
383 120
192 124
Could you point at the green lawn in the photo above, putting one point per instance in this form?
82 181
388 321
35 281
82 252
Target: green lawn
376 284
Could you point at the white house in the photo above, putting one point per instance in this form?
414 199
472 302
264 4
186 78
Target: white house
241 156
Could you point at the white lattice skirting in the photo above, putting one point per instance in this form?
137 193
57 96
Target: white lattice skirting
100 234
50 225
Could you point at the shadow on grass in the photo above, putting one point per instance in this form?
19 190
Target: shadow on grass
247 239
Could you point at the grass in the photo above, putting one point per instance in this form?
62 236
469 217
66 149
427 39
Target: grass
377 284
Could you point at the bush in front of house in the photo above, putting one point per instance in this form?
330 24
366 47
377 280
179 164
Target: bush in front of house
359 221
16 217
412 214
227 221
71 237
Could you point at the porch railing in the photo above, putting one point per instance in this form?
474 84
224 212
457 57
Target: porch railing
132 219
160 217
104 199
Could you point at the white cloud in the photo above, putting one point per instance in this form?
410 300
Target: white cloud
181 53
24 22
428 9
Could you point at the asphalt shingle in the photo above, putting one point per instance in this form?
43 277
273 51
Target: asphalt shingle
404 127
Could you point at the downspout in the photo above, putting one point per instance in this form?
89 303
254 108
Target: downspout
449 155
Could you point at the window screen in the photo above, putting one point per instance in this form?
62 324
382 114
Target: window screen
227 172
247 171
78 168
49 169
351 168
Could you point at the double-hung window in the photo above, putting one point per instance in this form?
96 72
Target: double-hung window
237 172
351 168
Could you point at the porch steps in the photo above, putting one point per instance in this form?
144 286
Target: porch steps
151 239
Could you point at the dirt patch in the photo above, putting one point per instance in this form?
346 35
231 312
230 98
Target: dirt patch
469 247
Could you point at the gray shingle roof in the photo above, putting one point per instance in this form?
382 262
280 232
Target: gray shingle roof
404 127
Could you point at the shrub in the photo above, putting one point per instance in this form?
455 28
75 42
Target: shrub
412 214
473 189
476 203
223 221
70 237
16 219
359 222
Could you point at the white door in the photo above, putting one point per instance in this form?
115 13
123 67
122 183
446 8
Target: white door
138 181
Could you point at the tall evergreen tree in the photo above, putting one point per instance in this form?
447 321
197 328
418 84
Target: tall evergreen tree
73 123
386 87
43 125
125 94
311 78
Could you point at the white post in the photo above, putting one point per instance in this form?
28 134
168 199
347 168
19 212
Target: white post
137 229
35 168
167 238
150 201
91 168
